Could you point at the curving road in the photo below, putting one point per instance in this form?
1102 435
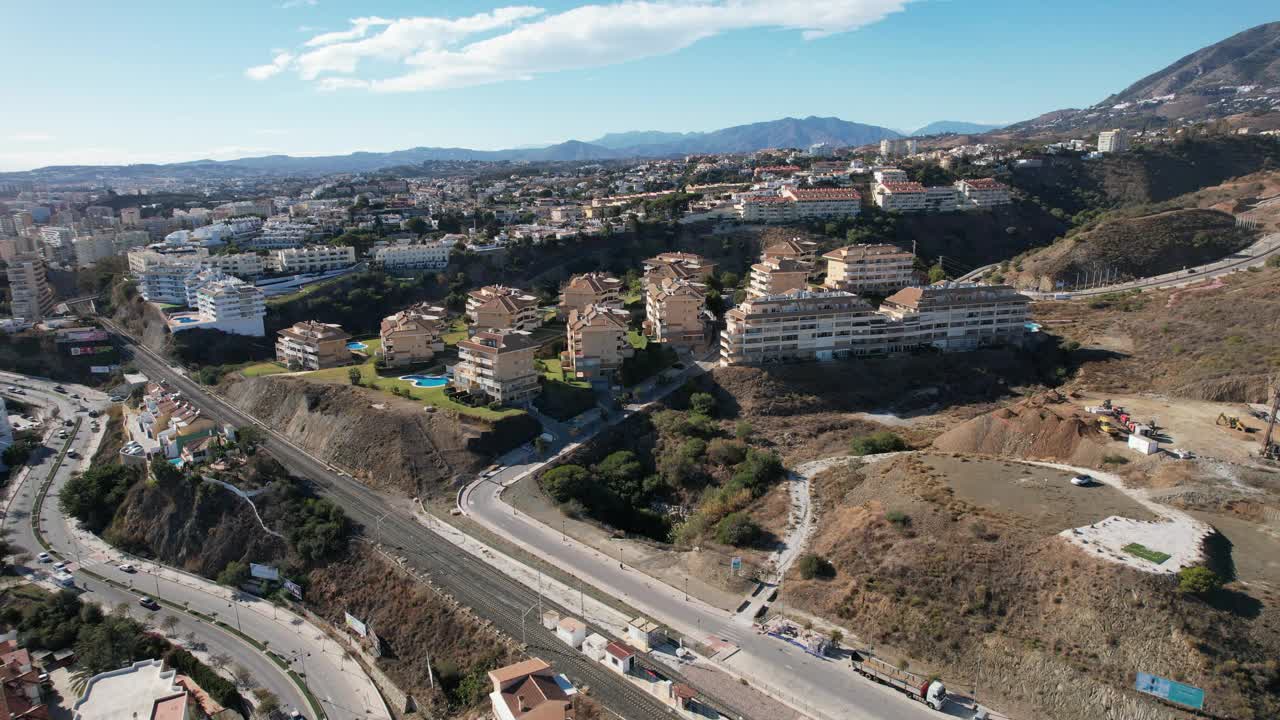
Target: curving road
339 685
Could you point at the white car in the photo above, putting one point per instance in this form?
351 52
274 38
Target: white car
1082 480
60 566
128 568
44 557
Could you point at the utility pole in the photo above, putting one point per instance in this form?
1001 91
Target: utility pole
1271 421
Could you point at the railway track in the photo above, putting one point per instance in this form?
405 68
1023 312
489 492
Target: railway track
489 594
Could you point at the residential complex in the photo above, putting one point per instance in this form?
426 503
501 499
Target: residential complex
498 365
528 691
795 249
408 255
676 313
31 297
311 345
23 685
983 193
793 204
869 269
583 291
773 276
801 325
242 265
503 308
678 266
145 690
413 335
897 147
900 196
228 304
975 194
596 342
314 258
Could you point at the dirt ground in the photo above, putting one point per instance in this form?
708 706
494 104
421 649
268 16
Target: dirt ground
1189 424
1255 548
1041 495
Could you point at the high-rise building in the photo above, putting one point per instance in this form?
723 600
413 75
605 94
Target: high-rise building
1110 141
312 345
32 298
498 365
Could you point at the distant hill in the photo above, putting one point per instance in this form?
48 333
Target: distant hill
1235 76
784 133
954 126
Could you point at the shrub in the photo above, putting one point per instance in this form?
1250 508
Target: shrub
1115 460
1273 261
899 518
726 452
876 443
738 530
815 566
743 430
703 404
757 472
1198 580
566 482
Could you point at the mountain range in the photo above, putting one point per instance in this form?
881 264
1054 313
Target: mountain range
954 126
1238 75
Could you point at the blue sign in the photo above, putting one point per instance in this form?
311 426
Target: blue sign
1175 692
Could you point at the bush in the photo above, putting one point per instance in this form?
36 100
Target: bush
757 472
876 443
1115 460
738 530
899 518
815 566
1198 580
93 496
703 404
726 452
1273 261
743 430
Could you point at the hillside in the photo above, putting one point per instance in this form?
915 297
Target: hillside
1125 248
954 126
1238 75
1215 341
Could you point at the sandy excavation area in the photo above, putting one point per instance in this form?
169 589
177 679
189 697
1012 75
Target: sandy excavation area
1188 424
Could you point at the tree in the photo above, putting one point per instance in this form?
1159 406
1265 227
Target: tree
1198 580
93 496
815 566
759 470
836 636
703 404
566 482
417 226
169 623
738 530
268 704
234 575
353 374
726 452
244 676
877 443
937 273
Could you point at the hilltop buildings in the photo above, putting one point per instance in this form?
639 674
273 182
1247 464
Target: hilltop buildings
869 269
774 276
583 291
314 258
146 689
503 308
223 303
675 312
412 335
312 345
792 204
31 297
498 365
408 255
1113 141
596 342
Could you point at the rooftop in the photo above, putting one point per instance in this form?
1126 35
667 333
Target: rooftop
140 691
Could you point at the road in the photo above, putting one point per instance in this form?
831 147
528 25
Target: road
341 687
390 520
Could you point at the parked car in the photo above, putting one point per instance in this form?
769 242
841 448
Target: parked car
60 566
148 603
128 568
44 557
59 389
12 389
1082 480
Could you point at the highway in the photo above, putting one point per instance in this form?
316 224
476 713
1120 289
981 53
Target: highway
340 686
390 520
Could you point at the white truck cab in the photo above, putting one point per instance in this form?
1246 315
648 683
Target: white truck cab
936 695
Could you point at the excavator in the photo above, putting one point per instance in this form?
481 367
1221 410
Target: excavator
1233 422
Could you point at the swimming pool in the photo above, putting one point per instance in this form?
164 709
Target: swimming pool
185 319
357 346
427 381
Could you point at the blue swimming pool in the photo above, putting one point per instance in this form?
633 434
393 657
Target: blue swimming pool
357 346
186 320
427 381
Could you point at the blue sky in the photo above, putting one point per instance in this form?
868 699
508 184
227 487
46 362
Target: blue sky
149 81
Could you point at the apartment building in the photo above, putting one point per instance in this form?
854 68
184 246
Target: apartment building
983 193
869 269
503 308
224 303
596 342
817 203
583 291
242 265
795 249
886 175
282 234
95 247
802 325
413 335
433 255
776 275
31 298
900 197
314 258
1113 141
165 280
311 345
675 312
498 364
941 198
958 316
678 266
897 147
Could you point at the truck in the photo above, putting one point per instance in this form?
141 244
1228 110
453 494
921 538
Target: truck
928 691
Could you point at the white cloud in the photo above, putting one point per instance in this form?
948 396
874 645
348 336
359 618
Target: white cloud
521 42
271 69
31 137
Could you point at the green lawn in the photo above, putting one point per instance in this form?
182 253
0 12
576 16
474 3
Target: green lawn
457 334
375 345
1146 553
431 396
556 373
637 340
262 368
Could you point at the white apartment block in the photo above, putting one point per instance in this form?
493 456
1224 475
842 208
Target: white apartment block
278 235
900 197
242 265
90 249
31 297
983 193
897 147
869 269
1113 141
314 258
958 316
232 306
415 256
890 175
165 280
796 204
941 198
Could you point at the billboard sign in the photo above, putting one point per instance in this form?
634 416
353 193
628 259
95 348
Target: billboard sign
103 369
294 588
359 627
264 572
82 336
1174 692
